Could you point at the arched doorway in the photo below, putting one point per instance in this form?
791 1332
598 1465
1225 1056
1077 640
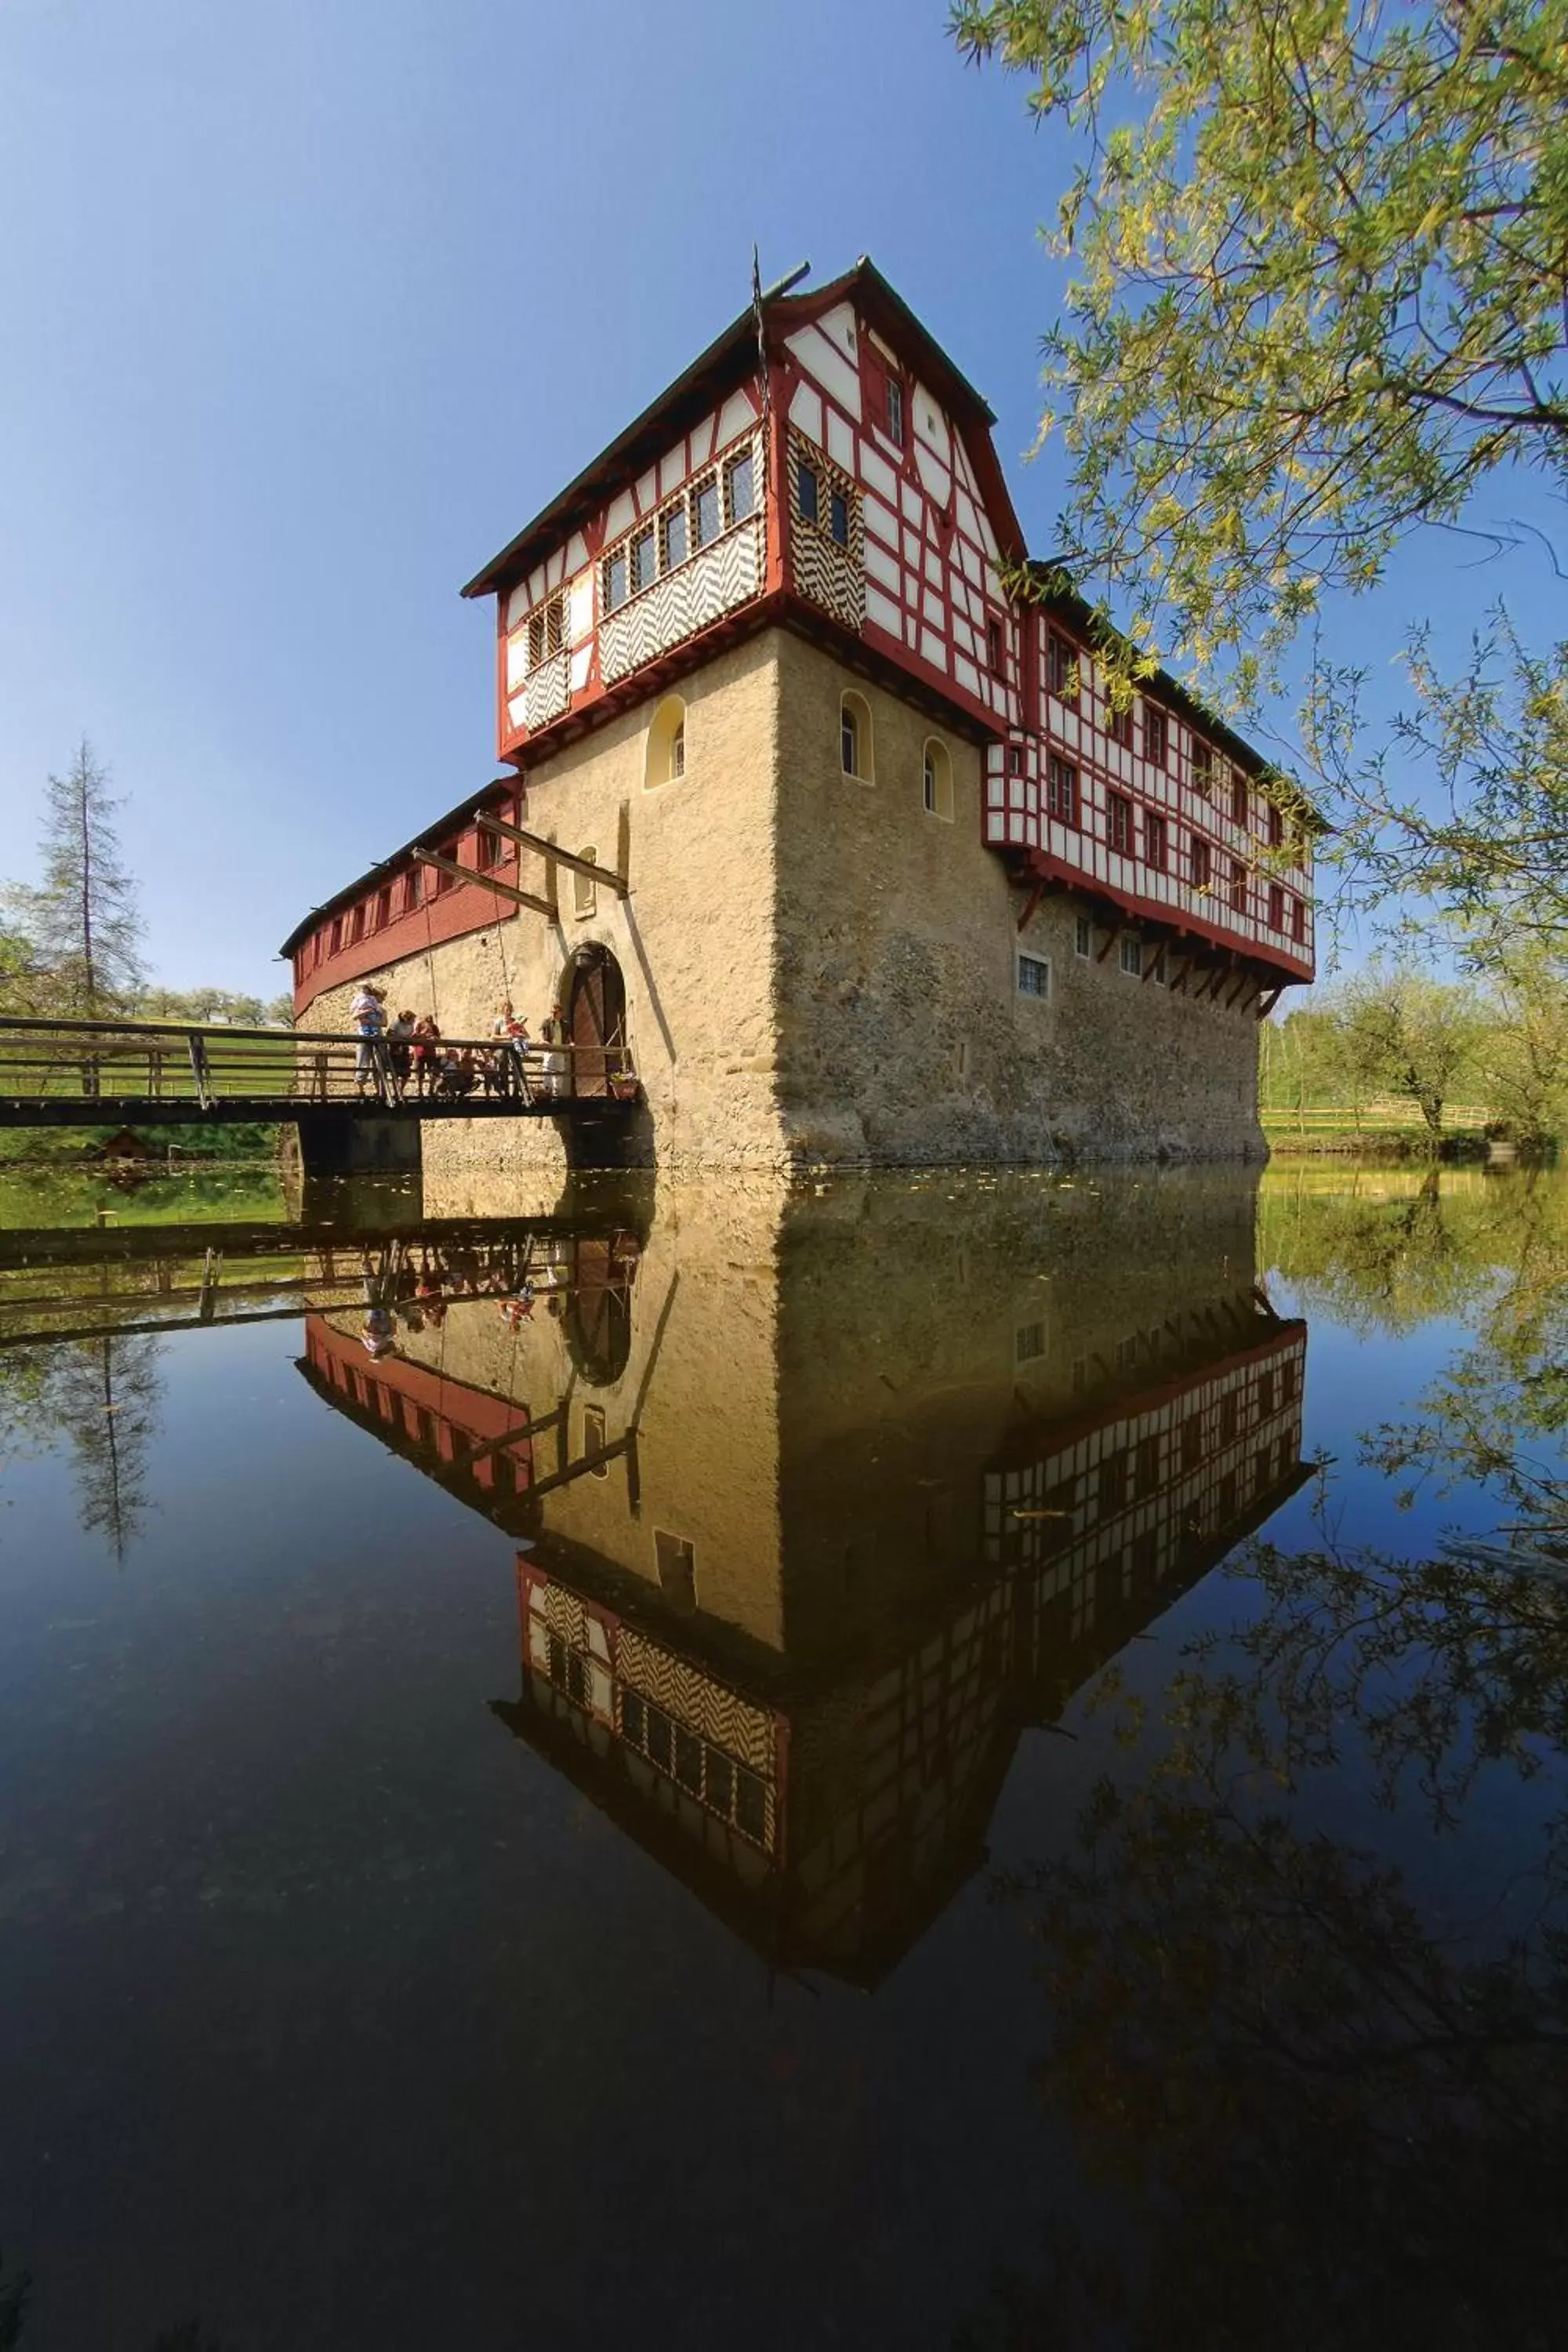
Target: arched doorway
595 1016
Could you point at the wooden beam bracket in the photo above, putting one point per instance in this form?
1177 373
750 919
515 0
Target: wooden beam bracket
596 873
487 881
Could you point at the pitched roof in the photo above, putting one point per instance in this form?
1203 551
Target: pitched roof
728 360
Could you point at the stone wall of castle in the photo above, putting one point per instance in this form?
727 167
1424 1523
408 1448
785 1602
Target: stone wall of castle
904 1035
818 969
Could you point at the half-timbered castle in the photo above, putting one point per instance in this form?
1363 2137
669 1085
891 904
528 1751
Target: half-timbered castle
859 857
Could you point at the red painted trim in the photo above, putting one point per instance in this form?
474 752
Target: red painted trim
1045 1438
452 914
479 1413
1176 919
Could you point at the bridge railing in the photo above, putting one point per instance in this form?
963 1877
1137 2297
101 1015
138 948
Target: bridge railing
127 1062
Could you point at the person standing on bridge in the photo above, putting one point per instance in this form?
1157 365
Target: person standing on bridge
368 1014
400 1052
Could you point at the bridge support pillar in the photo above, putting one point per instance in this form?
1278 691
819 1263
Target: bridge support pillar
331 1142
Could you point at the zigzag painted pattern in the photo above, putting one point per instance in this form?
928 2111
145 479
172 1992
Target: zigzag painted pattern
695 1700
712 582
546 694
831 575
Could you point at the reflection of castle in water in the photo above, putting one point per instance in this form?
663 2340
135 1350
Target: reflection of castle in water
825 1500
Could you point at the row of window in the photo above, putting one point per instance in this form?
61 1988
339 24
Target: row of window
855 756
1062 801
702 512
404 895
1207 769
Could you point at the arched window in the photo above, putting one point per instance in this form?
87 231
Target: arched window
856 751
937 779
665 759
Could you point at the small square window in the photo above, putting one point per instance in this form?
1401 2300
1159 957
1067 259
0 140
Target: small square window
706 518
1156 736
808 492
1156 838
1082 936
740 490
1132 954
1034 977
839 516
895 411
644 560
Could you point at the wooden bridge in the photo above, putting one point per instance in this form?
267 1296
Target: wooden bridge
138 1074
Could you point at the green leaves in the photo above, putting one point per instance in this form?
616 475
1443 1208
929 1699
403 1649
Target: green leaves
1320 261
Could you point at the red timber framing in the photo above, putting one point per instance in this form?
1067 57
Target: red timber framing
828 467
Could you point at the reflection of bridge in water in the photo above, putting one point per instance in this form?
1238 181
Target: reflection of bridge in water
808 1543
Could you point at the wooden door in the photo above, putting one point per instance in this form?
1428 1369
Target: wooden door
595 1021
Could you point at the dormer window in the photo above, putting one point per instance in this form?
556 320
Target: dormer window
895 411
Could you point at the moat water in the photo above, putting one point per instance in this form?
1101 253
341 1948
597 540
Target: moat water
938 1760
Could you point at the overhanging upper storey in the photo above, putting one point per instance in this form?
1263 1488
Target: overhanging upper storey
826 464
846 481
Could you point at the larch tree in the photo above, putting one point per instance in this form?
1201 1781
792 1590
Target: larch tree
83 917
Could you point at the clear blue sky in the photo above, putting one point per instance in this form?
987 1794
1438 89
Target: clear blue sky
306 308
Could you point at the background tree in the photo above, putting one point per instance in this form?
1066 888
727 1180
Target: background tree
1319 291
1520 1054
82 920
1487 836
1413 1036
